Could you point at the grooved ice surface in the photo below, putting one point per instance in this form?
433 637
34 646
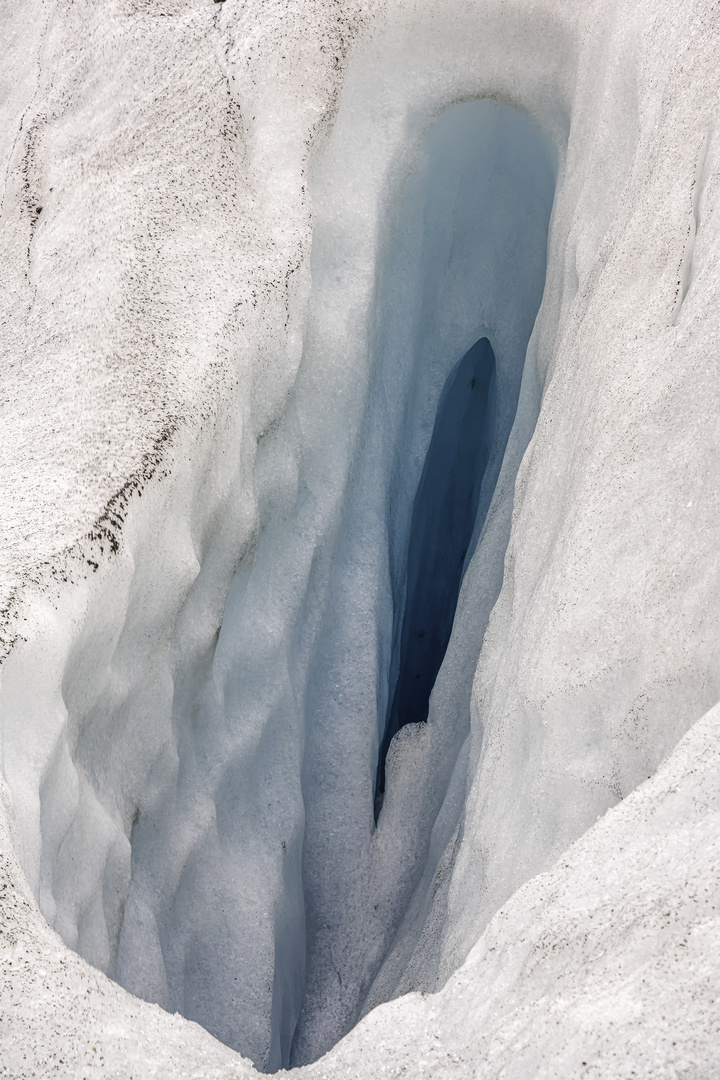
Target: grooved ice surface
260 893
242 246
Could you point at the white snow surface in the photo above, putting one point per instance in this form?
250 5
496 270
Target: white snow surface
243 245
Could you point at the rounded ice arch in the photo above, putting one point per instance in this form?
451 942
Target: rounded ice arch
245 248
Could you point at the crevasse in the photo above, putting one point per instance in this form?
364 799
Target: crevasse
245 881
460 256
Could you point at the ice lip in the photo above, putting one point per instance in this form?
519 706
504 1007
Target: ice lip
443 522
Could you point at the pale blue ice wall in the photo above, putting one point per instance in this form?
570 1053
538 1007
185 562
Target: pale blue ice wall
461 254
263 900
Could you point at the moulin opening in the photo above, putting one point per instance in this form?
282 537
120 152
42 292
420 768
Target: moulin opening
216 789
443 523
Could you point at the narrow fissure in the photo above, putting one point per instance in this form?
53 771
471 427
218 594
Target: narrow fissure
443 522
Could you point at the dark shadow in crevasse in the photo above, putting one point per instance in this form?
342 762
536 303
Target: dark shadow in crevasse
443 523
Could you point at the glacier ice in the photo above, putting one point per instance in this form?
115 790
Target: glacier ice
244 248
258 853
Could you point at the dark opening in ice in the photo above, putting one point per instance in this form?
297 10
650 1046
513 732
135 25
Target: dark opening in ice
443 522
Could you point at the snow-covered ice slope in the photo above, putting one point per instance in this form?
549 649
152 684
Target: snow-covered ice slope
243 247
607 965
